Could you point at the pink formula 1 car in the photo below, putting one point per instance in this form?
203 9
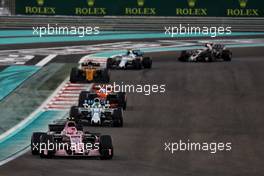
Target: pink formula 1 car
65 138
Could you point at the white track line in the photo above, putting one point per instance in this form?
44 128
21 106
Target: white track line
62 103
46 60
64 99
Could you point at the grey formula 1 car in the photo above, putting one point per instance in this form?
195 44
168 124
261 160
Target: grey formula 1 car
213 52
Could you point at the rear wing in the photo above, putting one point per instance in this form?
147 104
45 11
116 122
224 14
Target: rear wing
96 61
218 46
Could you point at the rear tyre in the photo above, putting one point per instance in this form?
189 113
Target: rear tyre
106 147
117 118
35 143
122 100
74 77
109 63
147 62
227 55
105 76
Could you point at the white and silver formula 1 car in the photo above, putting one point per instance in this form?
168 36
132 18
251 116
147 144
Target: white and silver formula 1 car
97 112
132 59
212 52
68 139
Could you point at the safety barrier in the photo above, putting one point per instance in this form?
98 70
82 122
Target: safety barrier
241 15
205 8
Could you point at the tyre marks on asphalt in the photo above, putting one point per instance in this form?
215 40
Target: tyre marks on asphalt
67 96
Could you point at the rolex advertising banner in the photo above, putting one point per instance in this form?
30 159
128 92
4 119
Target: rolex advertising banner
230 8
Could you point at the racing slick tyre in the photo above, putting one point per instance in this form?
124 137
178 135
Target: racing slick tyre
74 76
109 63
137 64
85 96
118 118
35 143
184 56
199 59
122 100
106 147
105 76
208 59
147 62
74 112
227 55
48 143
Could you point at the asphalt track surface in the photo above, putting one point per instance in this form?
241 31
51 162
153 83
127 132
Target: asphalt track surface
74 43
203 102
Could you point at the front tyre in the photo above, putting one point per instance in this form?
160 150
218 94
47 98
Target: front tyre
184 57
35 143
48 146
137 64
74 76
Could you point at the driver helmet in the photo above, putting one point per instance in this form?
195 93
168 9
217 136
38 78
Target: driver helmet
96 102
208 45
71 128
129 51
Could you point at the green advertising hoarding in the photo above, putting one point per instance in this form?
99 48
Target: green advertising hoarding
231 8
